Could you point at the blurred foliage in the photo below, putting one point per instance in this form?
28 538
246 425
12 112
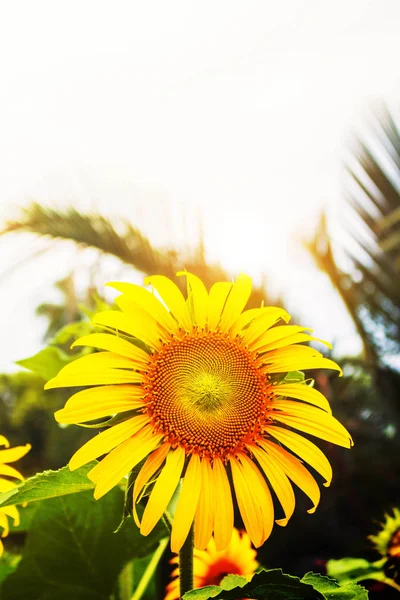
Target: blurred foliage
370 288
120 239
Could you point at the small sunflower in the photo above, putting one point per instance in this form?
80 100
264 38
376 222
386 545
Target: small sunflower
210 565
7 474
198 387
387 540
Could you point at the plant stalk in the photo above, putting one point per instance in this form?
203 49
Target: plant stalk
186 564
150 569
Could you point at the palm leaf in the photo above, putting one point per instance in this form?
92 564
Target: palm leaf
373 195
122 240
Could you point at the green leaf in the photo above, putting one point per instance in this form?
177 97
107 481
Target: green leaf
72 552
47 362
332 589
353 569
49 484
271 584
291 377
8 564
275 585
26 515
72 332
230 581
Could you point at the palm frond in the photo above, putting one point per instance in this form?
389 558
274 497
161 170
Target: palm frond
372 290
120 239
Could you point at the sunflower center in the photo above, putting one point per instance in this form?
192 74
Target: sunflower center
205 393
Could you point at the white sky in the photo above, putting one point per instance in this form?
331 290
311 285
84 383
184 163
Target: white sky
239 112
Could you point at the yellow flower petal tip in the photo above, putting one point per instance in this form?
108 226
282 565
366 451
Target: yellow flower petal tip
9 479
195 384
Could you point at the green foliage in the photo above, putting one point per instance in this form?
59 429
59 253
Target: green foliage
276 585
49 484
72 331
47 362
332 589
72 552
353 569
349 570
291 377
8 564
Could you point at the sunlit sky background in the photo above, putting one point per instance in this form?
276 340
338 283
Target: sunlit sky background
237 114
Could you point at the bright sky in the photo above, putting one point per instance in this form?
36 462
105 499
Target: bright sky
239 112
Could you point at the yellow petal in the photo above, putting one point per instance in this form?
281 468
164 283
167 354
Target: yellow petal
97 360
148 302
98 402
205 514
104 377
147 328
303 448
4 524
261 494
11 511
323 426
173 298
248 505
138 328
163 490
6 485
298 409
296 358
254 336
4 441
1 548
13 454
276 334
109 472
219 292
152 464
279 482
107 440
246 317
10 472
236 301
295 471
107 341
187 503
198 297
302 392
223 525
297 338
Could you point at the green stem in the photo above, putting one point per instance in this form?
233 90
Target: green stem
151 567
125 581
186 564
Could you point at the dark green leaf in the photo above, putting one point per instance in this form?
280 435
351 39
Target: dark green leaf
8 564
272 584
332 589
72 552
49 484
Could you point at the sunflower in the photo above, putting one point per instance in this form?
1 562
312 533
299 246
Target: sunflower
210 565
7 473
387 540
198 387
